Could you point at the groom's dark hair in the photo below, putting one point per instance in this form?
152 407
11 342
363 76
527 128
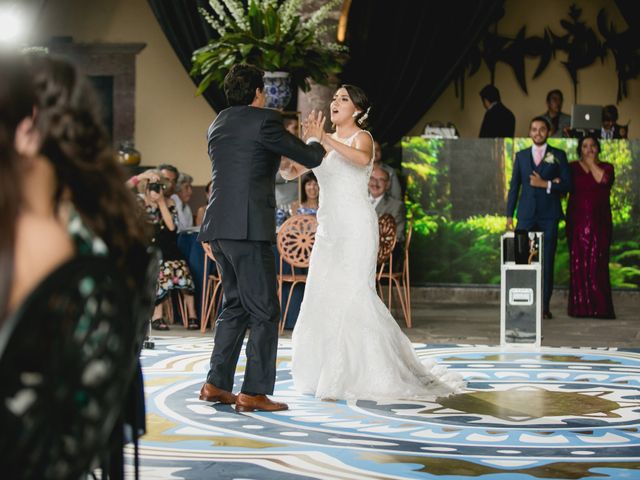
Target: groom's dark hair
542 119
241 82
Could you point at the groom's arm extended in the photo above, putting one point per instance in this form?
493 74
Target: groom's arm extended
275 138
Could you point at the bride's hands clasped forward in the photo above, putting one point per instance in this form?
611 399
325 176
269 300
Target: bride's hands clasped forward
313 126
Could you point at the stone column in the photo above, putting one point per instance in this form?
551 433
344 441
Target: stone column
319 97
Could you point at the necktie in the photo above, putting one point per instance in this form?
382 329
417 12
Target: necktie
537 156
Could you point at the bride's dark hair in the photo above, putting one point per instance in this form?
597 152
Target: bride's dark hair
361 101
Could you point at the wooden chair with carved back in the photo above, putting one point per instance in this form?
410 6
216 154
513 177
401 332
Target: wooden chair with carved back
295 241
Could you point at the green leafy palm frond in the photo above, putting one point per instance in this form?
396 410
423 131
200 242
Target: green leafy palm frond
269 35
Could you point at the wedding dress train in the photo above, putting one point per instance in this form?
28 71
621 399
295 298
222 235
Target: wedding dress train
346 344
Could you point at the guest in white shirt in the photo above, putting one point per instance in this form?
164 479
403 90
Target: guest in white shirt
184 190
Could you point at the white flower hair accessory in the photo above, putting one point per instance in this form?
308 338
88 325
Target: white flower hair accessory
364 117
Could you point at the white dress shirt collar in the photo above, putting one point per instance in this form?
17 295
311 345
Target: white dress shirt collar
376 201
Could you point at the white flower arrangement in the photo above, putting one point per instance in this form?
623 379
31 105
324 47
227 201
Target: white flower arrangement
288 12
270 35
234 7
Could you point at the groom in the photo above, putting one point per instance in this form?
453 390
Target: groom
246 142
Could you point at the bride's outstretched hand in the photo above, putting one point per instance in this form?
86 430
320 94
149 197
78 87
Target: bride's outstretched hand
313 126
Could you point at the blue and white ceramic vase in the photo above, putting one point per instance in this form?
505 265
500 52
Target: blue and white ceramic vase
278 89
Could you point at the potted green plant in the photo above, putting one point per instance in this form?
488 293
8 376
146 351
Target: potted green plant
270 35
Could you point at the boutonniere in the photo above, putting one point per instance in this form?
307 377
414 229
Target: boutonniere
549 158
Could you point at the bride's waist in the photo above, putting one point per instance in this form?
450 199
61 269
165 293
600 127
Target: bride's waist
350 215
346 210
333 200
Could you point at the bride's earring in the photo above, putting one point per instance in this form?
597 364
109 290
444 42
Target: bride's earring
355 114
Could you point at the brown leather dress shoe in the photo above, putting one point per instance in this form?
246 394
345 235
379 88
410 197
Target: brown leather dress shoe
211 393
251 403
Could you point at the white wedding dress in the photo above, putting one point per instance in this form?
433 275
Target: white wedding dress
346 344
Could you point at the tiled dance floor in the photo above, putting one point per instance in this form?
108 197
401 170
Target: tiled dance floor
560 413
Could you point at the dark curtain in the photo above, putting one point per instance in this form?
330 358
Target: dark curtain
405 53
187 31
631 12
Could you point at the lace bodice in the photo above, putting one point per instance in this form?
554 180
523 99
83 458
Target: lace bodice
340 178
344 197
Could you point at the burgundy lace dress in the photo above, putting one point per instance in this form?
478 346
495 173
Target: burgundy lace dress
589 229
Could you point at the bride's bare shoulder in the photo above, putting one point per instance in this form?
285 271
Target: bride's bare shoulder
363 141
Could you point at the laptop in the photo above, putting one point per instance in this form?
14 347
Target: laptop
586 117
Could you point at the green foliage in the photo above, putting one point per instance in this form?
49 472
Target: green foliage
624 261
427 177
617 153
467 251
561 264
269 36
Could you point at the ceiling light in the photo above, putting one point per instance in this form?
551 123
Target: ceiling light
12 25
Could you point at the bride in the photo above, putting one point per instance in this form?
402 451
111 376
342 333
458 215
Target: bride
346 344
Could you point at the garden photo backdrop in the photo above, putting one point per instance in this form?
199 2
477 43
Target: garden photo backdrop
456 195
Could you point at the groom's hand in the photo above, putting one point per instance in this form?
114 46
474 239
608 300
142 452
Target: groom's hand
535 180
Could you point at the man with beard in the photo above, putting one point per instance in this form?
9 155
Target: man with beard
544 175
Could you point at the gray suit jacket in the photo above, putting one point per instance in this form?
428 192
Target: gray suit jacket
388 204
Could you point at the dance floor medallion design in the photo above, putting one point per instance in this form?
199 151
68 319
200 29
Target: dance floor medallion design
559 413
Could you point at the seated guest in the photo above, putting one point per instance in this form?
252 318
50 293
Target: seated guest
385 203
560 122
291 124
610 128
394 184
174 273
201 210
498 121
309 196
181 198
589 229
170 175
286 191
138 183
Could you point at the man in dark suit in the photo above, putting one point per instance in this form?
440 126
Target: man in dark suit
498 121
544 175
246 142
